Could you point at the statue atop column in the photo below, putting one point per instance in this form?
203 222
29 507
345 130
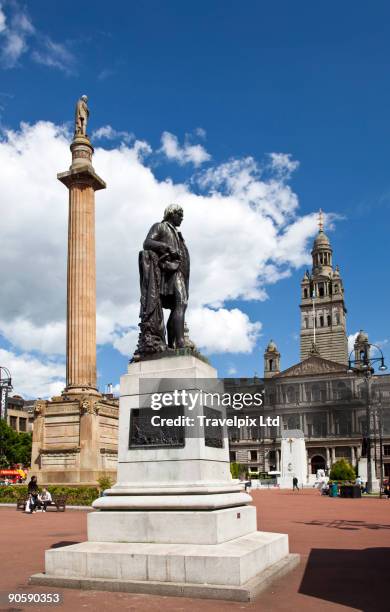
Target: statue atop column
164 267
81 116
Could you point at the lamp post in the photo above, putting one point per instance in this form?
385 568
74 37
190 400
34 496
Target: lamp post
363 365
5 387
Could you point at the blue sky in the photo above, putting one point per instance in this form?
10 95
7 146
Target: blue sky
308 81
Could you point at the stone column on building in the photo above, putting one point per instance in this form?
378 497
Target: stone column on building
82 182
333 451
358 453
327 458
308 466
277 460
353 456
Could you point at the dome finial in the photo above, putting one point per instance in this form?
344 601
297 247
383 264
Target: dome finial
321 220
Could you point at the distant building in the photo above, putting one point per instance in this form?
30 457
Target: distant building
318 395
20 413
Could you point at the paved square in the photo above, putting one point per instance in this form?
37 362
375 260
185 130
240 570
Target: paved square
345 548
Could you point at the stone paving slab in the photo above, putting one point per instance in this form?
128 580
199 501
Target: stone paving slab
344 546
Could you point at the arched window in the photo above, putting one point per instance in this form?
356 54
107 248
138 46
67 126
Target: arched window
329 320
321 290
321 321
305 293
271 365
336 288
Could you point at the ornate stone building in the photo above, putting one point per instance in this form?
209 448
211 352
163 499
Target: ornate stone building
323 312
318 395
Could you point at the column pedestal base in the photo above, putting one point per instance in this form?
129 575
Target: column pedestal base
237 570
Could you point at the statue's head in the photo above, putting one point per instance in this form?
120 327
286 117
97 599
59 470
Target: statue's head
84 98
174 214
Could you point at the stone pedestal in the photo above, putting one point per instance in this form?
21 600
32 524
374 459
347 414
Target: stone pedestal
175 522
363 473
294 461
74 440
75 435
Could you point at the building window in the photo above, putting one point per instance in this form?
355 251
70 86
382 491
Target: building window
321 291
329 320
336 288
386 450
271 365
233 456
321 321
22 424
253 455
293 422
290 395
13 421
305 293
343 452
343 423
315 393
234 434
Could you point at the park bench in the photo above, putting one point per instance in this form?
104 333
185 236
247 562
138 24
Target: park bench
58 502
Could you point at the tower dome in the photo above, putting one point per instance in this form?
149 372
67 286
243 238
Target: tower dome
361 337
271 348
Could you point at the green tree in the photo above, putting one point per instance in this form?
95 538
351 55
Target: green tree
236 469
14 447
342 470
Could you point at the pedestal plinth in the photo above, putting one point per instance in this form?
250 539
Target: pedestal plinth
175 522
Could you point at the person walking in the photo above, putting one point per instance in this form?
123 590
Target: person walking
295 483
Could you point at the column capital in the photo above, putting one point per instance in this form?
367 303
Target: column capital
82 175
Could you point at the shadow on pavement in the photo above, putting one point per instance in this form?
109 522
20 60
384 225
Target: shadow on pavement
345 524
63 543
354 578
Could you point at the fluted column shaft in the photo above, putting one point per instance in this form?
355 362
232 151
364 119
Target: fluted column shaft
81 301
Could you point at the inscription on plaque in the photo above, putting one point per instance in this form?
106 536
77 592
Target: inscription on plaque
213 434
143 434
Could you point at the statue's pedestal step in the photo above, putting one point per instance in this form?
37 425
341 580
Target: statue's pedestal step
175 527
237 570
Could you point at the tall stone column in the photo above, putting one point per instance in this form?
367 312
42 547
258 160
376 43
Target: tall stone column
82 182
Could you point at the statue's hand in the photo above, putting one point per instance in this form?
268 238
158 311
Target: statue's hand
173 253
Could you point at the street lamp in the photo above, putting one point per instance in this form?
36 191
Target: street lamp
364 366
5 387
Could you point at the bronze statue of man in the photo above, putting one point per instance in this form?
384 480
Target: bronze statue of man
81 116
164 267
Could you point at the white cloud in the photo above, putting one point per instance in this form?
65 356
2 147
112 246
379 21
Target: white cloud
126 342
54 55
2 20
200 132
283 164
243 233
107 132
351 341
32 377
222 330
18 35
48 338
188 153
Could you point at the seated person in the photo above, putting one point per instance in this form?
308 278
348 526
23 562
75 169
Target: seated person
45 499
